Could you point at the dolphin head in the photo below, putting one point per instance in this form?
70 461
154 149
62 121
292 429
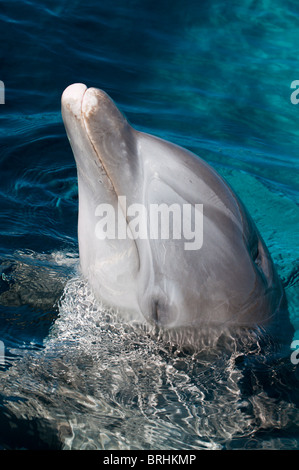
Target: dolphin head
101 140
217 273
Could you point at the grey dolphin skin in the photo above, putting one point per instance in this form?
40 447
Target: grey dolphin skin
225 280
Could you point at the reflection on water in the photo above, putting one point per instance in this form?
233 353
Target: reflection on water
105 383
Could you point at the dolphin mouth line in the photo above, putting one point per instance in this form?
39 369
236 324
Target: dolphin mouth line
105 169
92 144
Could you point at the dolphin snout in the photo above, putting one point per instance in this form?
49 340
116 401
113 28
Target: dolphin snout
72 99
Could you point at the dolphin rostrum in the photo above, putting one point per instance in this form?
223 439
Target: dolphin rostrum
223 276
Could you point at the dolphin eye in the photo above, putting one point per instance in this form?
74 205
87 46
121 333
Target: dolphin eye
257 257
255 253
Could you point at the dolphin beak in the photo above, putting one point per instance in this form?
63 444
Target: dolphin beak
98 132
72 99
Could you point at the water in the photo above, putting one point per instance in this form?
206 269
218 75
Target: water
209 77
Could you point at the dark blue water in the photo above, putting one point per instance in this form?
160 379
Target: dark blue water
212 77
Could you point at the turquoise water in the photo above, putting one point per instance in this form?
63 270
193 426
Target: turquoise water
212 78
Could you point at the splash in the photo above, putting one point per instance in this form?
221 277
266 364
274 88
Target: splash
102 380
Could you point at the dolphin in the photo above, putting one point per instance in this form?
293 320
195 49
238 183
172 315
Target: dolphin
227 280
